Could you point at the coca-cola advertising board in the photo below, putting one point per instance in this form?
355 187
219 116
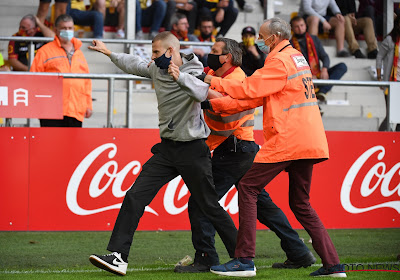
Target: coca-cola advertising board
76 179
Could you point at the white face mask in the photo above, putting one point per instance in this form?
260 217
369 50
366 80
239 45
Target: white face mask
67 34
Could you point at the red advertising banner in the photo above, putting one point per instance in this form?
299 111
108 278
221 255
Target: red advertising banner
76 178
31 96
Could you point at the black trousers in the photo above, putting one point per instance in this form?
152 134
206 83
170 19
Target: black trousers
229 164
191 160
65 122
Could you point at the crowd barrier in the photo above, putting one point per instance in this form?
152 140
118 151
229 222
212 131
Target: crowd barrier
62 179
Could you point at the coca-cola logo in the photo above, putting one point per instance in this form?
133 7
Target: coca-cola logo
376 176
175 191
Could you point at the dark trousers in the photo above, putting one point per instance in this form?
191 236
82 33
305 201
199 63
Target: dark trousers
300 173
191 160
89 18
335 73
65 122
229 163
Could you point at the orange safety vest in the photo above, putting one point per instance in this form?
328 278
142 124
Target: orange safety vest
223 125
77 93
292 123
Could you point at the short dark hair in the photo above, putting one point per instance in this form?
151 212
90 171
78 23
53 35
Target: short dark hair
177 17
232 47
64 18
205 18
295 19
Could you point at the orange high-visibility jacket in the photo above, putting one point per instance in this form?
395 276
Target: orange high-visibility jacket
292 122
240 124
77 93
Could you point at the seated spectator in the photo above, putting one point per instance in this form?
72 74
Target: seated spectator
206 27
3 66
315 13
252 58
186 7
357 25
374 10
222 12
311 47
388 57
77 10
112 6
60 8
150 14
18 53
180 27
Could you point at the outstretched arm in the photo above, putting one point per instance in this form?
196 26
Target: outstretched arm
100 47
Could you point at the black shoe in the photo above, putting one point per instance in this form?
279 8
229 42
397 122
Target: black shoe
372 54
321 97
343 53
192 268
335 271
359 54
305 261
112 263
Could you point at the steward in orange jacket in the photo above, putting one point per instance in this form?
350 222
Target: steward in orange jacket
52 57
294 140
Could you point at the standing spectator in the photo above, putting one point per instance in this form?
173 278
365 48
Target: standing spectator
315 13
18 55
180 28
63 55
234 148
182 150
311 47
206 27
356 25
186 7
222 12
60 8
294 140
151 15
388 57
253 58
77 10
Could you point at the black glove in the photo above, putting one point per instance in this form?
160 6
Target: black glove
206 105
201 77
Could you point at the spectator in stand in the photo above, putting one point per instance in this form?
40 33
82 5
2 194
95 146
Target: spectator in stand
318 21
357 25
388 57
60 8
150 15
311 47
222 12
118 5
77 10
180 27
374 10
186 7
253 58
63 55
206 27
29 26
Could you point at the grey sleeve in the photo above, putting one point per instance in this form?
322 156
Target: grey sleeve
322 55
193 87
384 49
131 64
334 7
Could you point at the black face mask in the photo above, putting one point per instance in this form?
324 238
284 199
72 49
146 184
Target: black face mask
213 61
205 36
300 36
163 62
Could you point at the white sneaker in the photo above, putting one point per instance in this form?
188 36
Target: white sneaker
112 263
120 34
248 8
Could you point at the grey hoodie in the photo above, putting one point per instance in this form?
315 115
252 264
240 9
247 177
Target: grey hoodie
179 111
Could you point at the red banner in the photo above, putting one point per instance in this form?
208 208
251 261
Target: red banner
31 96
75 179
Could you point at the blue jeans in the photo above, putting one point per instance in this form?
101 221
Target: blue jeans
229 164
335 73
152 17
89 18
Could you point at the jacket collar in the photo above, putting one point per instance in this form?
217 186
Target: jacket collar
277 49
76 42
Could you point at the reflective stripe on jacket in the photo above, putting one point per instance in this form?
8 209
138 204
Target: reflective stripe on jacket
77 93
240 124
292 124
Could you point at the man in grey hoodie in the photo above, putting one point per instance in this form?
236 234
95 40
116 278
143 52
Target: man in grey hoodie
182 150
